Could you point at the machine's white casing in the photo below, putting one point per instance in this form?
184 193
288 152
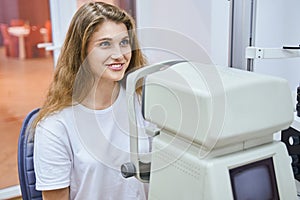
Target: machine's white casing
178 173
213 119
217 107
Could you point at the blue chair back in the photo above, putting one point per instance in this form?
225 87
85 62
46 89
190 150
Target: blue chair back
25 159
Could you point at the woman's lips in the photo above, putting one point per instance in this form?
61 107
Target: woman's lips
116 66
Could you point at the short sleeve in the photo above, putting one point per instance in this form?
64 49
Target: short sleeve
52 156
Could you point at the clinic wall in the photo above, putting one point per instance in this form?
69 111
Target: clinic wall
8 10
207 23
278 25
36 13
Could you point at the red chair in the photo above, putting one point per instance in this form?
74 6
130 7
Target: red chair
31 42
11 43
17 22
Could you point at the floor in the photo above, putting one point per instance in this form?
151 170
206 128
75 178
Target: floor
23 84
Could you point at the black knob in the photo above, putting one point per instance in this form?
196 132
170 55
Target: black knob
294 140
128 170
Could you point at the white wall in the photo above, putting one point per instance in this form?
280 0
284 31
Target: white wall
278 24
200 23
207 24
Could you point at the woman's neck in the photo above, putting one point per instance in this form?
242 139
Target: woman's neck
102 95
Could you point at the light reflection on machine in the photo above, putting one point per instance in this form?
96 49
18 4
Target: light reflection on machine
216 129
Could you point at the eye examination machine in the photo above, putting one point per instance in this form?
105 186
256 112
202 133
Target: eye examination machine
212 133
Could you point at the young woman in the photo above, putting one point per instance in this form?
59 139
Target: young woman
81 132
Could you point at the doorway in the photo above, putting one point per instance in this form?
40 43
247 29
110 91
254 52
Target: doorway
23 79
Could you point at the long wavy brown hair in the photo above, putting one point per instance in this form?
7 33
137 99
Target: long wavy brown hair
72 81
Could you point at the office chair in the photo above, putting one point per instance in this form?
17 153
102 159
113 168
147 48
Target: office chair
48 26
31 43
17 22
25 159
11 43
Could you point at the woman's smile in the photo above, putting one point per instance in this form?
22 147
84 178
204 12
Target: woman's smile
116 66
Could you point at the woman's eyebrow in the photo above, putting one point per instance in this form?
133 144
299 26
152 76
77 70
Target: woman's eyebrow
105 38
110 39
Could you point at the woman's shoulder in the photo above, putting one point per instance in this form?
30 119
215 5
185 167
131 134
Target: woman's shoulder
57 119
58 114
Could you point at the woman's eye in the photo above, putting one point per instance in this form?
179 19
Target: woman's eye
104 44
125 42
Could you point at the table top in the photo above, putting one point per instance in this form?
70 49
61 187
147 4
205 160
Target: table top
18 31
43 31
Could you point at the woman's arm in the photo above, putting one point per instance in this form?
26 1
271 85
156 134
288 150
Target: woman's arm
61 194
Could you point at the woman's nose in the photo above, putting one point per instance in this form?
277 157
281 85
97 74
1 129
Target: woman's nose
117 53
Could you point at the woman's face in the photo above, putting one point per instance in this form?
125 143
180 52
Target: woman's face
109 51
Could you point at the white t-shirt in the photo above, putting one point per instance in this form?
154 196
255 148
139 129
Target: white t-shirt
84 149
